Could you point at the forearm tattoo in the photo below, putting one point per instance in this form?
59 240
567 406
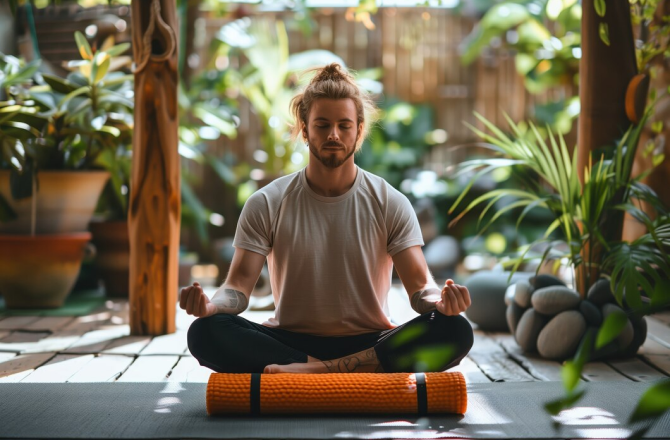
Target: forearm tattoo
232 300
424 301
365 361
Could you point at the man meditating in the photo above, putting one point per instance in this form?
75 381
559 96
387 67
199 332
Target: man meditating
331 234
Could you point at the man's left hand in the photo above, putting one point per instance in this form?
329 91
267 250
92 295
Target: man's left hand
455 299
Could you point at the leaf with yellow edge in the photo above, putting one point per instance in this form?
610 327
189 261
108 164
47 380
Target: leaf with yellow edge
85 70
84 47
107 44
103 68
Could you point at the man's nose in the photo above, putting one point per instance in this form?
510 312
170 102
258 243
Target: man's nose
333 135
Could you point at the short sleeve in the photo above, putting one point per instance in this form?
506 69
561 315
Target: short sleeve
254 228
401 223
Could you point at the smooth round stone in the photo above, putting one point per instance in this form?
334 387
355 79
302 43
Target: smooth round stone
529 328
545 280
522 293
487 291
600 292
626 336
509 294
554 299
591 313
560 338
442 253
639 336
513 314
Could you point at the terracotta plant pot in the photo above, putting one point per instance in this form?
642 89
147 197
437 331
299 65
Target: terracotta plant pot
65 202
40 271
112 245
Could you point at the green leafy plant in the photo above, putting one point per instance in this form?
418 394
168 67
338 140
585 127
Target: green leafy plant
545 39
398 140
268 80
581 211
551 180
203 118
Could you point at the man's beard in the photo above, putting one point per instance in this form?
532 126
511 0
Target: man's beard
331 160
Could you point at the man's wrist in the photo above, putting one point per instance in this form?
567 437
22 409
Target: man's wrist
230 301
423 301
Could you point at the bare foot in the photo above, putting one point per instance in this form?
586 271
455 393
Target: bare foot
362 362
297 368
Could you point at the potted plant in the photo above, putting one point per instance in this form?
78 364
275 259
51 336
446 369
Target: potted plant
54 133
202 118
629 279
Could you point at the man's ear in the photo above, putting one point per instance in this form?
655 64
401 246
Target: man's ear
304 133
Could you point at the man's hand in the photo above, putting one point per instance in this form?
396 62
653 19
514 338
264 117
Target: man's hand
455 299
195 302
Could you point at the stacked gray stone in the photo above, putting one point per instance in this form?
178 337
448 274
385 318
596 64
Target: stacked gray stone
546 316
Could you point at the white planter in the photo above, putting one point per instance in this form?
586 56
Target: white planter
65 202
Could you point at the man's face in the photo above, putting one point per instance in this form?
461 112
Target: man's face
332 130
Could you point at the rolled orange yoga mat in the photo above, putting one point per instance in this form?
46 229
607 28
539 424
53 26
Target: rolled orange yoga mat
336 393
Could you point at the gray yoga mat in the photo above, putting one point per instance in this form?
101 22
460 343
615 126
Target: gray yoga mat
173 410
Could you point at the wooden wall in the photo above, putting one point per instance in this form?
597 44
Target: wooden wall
418 49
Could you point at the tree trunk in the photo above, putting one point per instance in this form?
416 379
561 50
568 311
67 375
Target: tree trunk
604 75
155 203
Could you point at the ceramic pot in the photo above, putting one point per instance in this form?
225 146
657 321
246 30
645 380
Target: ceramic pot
65 202
40 271
112 245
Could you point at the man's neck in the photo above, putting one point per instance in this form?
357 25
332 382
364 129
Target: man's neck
330 182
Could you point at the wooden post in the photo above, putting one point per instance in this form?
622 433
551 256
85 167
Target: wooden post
155 202
604 75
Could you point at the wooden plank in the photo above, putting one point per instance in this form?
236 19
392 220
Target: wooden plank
96 340
652 346
18 367
636 370
17 322
600 372
58 341
6 356
127 345
663 316
657 330
89 322
495 362
103 368
660 361
172 344
59 369
19 341
71 333
538 367
50 323
149 369
471 371
189 370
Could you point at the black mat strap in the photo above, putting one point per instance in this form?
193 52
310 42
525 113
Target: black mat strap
421 394
255 394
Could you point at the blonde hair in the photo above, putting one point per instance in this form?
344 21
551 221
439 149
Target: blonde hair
333 82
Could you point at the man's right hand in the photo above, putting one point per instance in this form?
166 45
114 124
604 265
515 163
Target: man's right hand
195 302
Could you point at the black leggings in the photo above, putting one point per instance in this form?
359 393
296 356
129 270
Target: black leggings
232 344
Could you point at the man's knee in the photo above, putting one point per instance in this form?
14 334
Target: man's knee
456 329
200 335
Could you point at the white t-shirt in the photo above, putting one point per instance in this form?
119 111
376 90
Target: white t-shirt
329 257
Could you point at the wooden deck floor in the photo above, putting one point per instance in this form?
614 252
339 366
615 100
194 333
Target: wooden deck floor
97 348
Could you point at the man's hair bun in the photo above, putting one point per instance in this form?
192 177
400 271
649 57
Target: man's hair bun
332 72
333 82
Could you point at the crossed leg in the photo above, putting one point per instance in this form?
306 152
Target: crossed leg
362 362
